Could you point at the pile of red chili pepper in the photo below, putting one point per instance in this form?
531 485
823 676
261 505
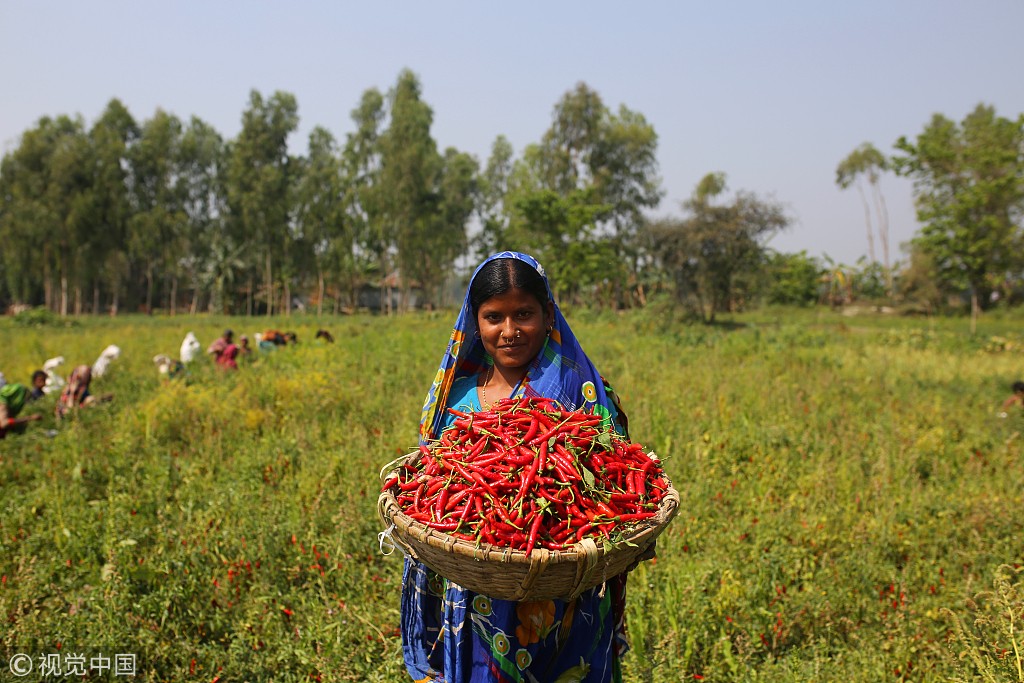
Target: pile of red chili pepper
528 474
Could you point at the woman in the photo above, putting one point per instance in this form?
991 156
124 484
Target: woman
228 358
510 339
218 345
12 399
76 393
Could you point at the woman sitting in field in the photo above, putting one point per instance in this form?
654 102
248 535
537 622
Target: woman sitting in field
76 393
511 340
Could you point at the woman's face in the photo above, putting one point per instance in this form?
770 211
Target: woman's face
513 327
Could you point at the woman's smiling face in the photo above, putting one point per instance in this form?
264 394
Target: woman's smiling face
513 327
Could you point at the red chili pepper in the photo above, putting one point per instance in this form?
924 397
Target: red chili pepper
533 429
442 501
583 530
635 516
442 526
531 539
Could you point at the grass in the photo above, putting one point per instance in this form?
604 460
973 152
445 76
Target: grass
851 502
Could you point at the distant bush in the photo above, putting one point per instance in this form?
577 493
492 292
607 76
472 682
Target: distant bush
41 317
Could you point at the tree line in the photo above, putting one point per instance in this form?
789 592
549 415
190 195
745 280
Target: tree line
166 214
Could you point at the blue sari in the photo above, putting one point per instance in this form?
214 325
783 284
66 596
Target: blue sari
453 635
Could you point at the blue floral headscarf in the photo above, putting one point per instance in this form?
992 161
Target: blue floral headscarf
560 371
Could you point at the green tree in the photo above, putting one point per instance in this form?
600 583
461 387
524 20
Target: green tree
157 225
867 162
365 244
455 200
320 208
969 193
714 253
871 280
560 230
492 191
410 168
920 285
608 158
27 224
260 176
792 279
112 137
201 168
68 203
559 227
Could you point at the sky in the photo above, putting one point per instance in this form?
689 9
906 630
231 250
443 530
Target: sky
773 95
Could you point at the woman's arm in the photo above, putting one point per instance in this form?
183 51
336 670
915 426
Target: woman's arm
35 417
8 422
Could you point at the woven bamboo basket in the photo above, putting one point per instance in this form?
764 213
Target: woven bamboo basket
508 574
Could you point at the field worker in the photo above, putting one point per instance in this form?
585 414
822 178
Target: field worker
220 344
1016 398
227 359
189 348
273 337
12 399
38 385
76 394
243 346
510 340
168 366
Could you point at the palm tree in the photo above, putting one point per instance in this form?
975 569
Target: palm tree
866 161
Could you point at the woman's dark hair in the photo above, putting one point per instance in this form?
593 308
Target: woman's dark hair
38 374
1018 387
502 275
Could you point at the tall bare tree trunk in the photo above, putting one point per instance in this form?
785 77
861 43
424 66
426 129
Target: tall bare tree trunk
95 297
174 295
63 294
149 289
47 287
270 286
320 297
867 222
975 310
883 234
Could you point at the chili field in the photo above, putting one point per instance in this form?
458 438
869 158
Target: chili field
852 505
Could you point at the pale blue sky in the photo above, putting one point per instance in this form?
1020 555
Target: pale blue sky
772 94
